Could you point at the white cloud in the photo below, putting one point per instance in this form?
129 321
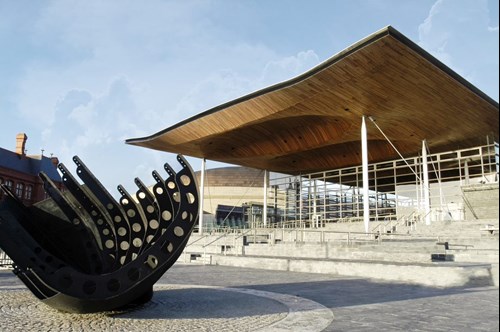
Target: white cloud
214 90
97 72
226 85
288 67
457 32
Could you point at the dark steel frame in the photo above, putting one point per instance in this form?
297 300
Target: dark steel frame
92 253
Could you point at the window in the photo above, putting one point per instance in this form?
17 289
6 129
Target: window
9 184
28 193
19 190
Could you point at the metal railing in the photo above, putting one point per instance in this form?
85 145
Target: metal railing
5 261
398 187
300 235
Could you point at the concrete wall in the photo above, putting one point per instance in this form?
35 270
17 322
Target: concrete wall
473 253
483 201
422 274
232 196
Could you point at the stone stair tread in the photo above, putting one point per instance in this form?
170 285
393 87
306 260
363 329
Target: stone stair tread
369 261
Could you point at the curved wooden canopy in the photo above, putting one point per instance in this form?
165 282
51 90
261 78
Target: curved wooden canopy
312 122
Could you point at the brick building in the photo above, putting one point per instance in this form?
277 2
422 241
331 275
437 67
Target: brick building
19 172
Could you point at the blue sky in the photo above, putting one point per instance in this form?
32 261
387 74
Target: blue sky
80 77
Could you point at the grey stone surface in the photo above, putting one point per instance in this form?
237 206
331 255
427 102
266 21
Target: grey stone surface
356 304
482 201
172 308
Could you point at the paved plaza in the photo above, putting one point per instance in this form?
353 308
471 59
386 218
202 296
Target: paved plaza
218 298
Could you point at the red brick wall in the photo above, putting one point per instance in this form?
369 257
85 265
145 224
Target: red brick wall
38 193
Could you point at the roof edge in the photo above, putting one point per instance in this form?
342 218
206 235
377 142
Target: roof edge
434 61
335 58
388 30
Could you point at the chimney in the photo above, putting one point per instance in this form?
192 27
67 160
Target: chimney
21 143
55 161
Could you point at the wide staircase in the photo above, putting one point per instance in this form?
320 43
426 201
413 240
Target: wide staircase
443 254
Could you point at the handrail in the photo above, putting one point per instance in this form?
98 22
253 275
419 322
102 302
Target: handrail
397 222
202 237
469 205
342 232
349 236
5 261
243 233
217 239
238 233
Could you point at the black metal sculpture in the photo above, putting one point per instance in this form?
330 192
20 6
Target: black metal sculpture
89 253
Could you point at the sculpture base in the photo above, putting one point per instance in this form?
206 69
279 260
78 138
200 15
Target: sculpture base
174 308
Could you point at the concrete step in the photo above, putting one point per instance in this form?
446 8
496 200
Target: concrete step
442 274
196 258
325 251
474 257
471 227
404 253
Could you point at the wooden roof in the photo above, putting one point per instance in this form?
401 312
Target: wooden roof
312 122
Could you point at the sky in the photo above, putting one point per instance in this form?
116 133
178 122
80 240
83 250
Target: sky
80 77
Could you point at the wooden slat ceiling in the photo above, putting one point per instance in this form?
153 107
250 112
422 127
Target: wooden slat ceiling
312 122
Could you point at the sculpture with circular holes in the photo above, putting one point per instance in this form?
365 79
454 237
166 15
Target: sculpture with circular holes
82 251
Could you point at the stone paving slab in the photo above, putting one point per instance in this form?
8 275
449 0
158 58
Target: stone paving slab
173 308
354 304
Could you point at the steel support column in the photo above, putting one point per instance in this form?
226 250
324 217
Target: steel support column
315 207
364 155
466 172
264 205
426 188
202 195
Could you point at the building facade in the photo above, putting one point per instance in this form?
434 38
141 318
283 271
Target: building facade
397 192
19 172
228 191
380 131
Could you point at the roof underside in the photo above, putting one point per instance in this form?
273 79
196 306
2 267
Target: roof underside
312 122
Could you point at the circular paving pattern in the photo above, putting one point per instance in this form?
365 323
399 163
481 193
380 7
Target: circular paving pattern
173 308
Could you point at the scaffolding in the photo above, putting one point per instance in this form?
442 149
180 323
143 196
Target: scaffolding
396 189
